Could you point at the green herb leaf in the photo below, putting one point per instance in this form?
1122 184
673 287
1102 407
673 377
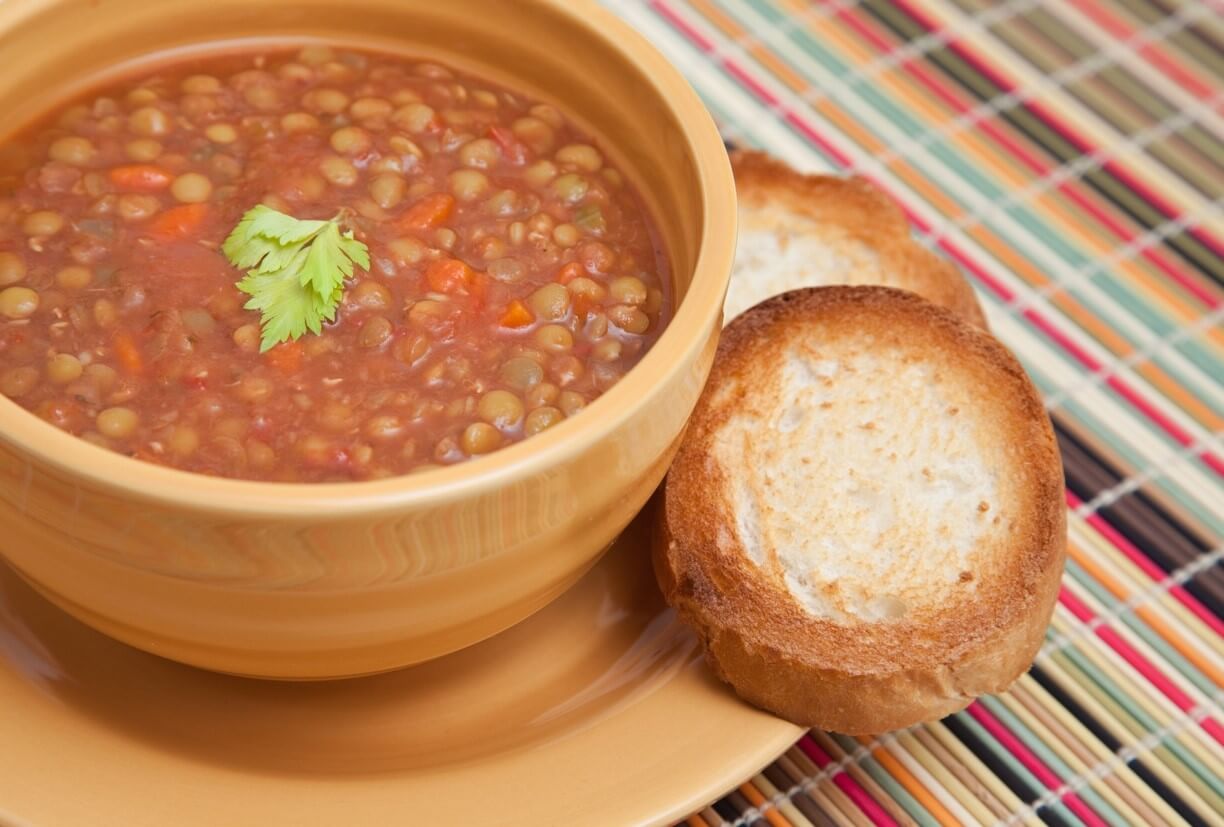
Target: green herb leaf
332 253
295 270
263 221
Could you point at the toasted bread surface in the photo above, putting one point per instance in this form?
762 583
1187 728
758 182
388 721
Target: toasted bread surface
865 521
812 230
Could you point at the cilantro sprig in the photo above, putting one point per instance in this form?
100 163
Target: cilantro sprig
296 270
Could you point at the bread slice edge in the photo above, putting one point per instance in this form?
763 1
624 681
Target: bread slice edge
774 672
866 215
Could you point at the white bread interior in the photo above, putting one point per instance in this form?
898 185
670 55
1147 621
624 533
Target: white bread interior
865 521
800 230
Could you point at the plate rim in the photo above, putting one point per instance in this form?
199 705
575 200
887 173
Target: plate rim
597 768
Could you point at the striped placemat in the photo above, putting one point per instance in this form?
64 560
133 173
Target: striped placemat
1068 156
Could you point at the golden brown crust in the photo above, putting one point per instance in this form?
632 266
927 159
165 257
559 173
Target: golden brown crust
862 677
865 214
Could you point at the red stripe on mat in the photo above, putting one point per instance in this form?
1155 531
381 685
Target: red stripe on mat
1132 553
1033 764
1043 324
846 784
1118 171
1156 56
1030 159
1124 390
1136 661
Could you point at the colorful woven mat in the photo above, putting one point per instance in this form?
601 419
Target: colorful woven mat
1068 156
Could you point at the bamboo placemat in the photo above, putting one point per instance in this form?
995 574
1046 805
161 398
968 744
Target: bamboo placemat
1068 156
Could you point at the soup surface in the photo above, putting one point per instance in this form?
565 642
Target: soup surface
513 273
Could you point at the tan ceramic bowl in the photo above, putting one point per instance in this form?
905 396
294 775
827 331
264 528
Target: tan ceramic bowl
312 581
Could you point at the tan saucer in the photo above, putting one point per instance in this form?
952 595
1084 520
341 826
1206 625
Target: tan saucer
597 710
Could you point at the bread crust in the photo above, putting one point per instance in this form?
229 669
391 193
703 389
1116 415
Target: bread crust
863 677
865 214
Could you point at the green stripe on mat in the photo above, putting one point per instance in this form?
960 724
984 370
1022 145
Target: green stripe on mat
1167 652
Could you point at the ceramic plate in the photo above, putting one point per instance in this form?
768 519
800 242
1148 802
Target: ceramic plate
597 710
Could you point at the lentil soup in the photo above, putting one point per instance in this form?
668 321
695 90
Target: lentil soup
514 275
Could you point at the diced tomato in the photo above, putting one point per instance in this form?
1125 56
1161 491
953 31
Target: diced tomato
140 178
285 357
569 272
128 354
178 222
516 315
429 213
511 147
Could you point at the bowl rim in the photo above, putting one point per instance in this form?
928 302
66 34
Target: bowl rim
41 442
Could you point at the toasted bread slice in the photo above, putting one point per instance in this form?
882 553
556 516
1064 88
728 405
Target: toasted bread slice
865 521
813 230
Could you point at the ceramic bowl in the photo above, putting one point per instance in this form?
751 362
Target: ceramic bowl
330 580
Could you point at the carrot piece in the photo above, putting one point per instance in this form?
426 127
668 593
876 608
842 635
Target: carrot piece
178 222
450 275
569 272
516 315
456 278
128 354
444 275
285 357
428 213
140 178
